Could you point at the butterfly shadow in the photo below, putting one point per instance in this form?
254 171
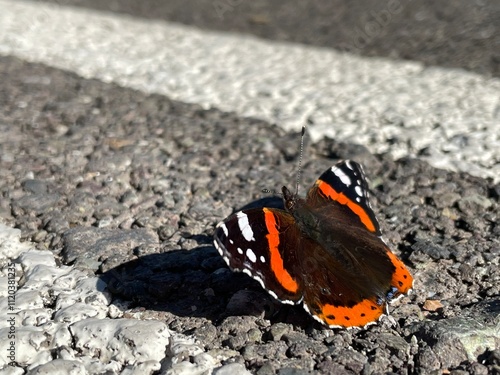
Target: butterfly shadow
195 283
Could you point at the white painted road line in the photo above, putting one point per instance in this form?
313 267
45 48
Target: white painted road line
449 117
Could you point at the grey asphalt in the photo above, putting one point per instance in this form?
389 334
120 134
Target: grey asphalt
124 139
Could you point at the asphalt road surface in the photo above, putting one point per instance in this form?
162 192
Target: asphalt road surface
129 129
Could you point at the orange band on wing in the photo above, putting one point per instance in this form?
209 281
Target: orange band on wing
282 275
401 278
359 315
327 190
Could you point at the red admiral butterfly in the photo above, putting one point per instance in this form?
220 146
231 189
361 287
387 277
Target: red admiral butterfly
324 252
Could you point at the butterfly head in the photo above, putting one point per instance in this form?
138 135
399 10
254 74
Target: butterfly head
289 199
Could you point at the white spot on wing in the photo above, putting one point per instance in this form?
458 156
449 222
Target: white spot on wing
262 259
304 305
358 190
222 253
251 255
219 249
245 227
239 251
396 299
247 271
272 294
307 309
342 176
224 228
253 276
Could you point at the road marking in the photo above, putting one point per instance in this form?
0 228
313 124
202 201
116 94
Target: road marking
448 117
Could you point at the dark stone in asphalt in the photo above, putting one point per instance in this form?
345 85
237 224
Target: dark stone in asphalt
434 251
107 247
37 203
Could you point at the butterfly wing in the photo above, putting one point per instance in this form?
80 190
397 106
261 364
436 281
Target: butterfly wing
354 271
262 243
344 186
326 253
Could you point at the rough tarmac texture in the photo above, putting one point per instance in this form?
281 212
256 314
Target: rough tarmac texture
127 189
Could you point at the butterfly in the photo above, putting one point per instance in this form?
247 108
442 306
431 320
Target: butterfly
324 252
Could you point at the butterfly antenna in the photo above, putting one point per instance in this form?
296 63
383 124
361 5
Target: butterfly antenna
269 191
300 158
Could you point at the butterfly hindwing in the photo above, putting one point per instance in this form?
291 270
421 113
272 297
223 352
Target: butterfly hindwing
339 296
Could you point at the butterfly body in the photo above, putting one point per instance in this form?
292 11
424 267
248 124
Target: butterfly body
324 252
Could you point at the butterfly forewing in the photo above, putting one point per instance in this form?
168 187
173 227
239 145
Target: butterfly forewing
345 184
261 243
